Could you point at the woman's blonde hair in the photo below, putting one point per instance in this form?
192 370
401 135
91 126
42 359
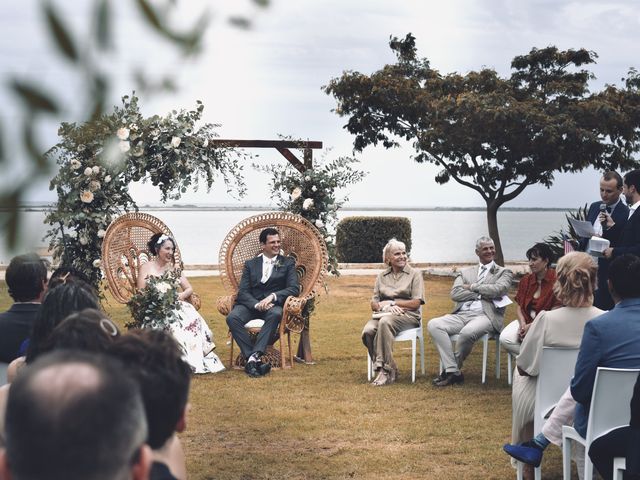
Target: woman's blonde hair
387 248
575 279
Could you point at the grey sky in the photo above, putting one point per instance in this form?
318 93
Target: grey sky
266 81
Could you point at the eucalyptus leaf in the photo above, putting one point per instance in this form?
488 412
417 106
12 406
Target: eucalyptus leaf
103 24
60 33
34 97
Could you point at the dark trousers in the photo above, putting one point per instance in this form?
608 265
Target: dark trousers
240 315
620 442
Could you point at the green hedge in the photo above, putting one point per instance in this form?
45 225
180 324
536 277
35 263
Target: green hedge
361 239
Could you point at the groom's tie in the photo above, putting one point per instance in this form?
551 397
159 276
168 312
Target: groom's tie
267 267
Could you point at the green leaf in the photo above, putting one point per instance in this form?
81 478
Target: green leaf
103 24
150 14
10 216
240 22
34 97
60 33
261 3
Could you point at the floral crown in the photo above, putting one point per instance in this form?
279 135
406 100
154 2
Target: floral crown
163 238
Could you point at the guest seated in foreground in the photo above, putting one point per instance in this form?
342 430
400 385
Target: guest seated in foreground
620 442
475 291
26 278
192 332
398 296
57 304
75 416
267 280
563 327
609 340
535 294
153 359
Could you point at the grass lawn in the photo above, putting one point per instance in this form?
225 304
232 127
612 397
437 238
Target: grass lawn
325 421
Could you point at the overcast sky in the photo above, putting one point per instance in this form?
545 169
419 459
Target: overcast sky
266 81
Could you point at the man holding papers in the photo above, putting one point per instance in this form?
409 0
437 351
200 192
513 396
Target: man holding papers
608 211
479 293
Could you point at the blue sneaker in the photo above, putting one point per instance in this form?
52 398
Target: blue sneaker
525 453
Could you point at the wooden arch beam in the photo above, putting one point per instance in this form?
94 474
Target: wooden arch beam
281 146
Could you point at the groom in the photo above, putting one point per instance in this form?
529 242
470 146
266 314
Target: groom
267 280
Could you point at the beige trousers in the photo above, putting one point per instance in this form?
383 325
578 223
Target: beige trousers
378 336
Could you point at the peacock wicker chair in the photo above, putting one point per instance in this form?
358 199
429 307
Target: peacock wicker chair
300 241
124 250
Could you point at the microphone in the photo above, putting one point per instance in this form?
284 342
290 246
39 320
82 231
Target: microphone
603 209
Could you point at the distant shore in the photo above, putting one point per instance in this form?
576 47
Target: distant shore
41 207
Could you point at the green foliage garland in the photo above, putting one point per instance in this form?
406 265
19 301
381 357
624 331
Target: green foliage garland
98 159
312 195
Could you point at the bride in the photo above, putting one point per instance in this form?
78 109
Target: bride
191 332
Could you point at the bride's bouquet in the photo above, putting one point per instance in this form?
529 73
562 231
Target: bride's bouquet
156 305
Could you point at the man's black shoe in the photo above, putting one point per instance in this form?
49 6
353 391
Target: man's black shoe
264 368
439 378
252 369
450 379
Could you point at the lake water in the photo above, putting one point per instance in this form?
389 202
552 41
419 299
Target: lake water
437 236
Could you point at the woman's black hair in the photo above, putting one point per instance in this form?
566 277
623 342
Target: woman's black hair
57 304
543 251
156 241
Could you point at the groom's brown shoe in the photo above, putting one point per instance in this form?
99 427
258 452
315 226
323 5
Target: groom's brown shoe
450 379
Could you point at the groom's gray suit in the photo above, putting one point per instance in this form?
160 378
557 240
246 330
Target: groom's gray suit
470 323
283 282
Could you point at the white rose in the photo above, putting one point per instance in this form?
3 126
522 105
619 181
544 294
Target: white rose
94 185
307 178
88 171
163 287
75 164
107 179
83 240
205 144
97 263
124 147
101 233
307 204
86 196
72 234
96 169
314 188
296 193
319 223
123 133
175 142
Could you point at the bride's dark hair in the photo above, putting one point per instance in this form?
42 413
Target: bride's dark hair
156 241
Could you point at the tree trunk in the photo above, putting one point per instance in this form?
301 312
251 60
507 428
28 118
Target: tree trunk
492 223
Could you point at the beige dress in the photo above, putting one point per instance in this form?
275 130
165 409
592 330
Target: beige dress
562 327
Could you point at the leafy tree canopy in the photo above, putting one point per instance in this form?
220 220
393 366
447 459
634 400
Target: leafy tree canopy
492 134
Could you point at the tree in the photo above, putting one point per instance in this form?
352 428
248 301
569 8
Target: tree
494 135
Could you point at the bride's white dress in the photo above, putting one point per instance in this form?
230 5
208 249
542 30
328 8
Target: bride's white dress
196 340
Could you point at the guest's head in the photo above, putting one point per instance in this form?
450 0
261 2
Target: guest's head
66 274
270 242
486 250
575 279
624 277
394 254
26 277
75 416
153 358
610 187
631 187
162 246
57 304
89 330
540 256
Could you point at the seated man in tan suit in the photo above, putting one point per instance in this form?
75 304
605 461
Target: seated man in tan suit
475 291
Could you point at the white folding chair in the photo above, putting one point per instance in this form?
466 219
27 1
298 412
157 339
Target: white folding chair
412 335
485 352
556 369
619 466
609 409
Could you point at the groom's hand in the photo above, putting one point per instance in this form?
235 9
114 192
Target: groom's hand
266 303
